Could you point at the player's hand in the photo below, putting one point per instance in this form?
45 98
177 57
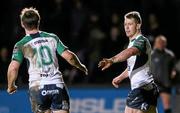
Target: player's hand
116 81
84 69
12 89
105 63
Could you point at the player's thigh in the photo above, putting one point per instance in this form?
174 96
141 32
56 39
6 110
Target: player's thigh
33 96
61 111
132 110
152 109
48 111
61 101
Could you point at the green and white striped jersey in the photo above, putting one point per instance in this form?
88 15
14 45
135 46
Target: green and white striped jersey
139 65
40 51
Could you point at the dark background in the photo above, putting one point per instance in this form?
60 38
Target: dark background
92 29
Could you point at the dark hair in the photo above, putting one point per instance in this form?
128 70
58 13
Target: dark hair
30 18
135 15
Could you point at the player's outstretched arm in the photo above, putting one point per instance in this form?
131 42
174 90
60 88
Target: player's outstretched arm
122 56
125 54
72 59
12 76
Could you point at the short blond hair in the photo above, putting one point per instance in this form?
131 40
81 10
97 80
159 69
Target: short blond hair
134 14
30 18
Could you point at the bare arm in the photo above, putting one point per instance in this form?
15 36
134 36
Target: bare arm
122 56
72 59
116 81
125 54
12 76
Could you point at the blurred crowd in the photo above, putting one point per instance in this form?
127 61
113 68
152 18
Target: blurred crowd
93 29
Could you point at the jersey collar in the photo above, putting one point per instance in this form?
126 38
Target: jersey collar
34 33
131 40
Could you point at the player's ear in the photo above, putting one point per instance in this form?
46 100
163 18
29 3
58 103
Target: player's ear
138 26
22 24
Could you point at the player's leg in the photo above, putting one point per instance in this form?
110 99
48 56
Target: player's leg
34 106
131 110
44 99
141 100
34 96
135 102
165 97
152 99
60 101
48 111
152 109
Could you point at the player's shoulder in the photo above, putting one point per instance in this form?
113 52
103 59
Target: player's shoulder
169 52
141 37
23 41
47 34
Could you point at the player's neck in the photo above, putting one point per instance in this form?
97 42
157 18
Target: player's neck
31 31
135 35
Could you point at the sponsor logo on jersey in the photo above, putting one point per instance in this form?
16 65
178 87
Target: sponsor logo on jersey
40 41
44 75
47 74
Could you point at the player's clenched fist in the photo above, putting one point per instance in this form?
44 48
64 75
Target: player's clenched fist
116 81
12 89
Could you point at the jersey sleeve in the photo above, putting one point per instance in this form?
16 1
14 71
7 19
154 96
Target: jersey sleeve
60 47
140 43
17 54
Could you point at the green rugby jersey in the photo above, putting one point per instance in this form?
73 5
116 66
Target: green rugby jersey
139 65
40 51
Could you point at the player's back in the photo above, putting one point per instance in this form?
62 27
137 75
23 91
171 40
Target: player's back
40 51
